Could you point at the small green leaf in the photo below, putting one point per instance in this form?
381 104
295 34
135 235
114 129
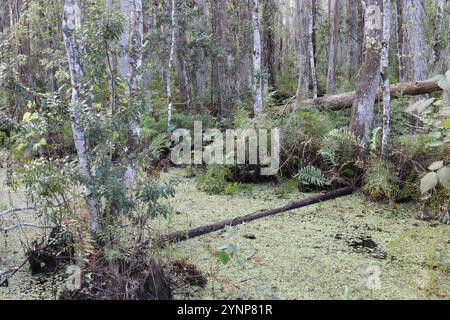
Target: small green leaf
436 166
224 257
27 117
446 124
428 182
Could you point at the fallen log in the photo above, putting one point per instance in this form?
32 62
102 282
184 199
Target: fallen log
345 100
189 234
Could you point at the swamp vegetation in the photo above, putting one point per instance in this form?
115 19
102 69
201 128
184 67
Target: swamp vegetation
96 97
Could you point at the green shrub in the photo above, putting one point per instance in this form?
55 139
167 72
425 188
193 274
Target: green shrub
311 176
380 181
213 181
232 188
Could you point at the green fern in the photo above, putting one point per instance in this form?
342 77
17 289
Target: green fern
312 176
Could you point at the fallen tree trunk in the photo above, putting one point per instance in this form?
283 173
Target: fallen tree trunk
345 100
189 234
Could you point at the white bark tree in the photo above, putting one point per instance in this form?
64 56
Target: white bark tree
123 63
363 105
72 20
385 77
134 79
170 64
257 85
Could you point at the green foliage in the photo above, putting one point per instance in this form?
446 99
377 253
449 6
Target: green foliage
439 174
312 177
213 181
150 194
399 119
342 151
232 188
381 181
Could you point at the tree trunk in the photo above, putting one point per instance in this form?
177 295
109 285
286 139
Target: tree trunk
333 47
189 234
257 86
439 28
354 60
447 94
170 64
221 94
363 105
302 52
414 17
269 40
201 66
124 67
183 67
135 80
312 61
346 100
385 77
73 15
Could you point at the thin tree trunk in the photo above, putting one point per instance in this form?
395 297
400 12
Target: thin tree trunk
333 47
201 70
363 106
354 50
447 94
312 62
257 86
269 40
123 63
439 28
183 67
135 80
221 69
71 21
302 52
170 64
385 77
